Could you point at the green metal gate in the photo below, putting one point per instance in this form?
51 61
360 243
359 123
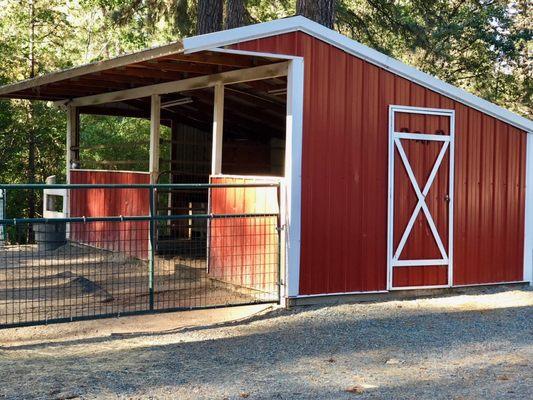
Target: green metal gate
85 267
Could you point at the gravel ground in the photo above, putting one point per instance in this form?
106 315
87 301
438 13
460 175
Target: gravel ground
476 345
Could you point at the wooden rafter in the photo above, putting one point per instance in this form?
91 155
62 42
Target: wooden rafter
145 55
259 98
228 60
243 110
116 77
90 85
230 77
178 67
147 73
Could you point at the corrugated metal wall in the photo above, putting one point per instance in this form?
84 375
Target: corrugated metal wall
344 175
130 238
244 251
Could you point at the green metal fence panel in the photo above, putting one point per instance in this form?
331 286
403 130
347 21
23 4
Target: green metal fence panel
2 215
97 266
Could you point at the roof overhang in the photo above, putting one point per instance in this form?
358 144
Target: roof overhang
24 88
156 66
122 86
299 23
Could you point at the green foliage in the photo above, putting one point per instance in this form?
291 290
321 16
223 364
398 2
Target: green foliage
479 45
264 10
131 143
118 143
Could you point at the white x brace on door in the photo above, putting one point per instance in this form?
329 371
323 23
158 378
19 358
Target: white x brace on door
396 149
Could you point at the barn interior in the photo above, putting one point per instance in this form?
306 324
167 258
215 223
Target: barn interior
253 132
253 148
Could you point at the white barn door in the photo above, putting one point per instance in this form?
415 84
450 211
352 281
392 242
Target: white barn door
421 153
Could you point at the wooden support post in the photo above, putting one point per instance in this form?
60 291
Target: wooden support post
73 123
155 128
174 148
174 196
218 130
72 138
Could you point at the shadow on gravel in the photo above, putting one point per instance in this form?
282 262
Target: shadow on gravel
125 371
359 322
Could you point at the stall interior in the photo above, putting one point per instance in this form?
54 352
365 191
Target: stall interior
240 251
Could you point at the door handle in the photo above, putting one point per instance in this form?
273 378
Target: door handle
447 198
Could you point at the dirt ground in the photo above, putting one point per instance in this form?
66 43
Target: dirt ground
80 281
477 344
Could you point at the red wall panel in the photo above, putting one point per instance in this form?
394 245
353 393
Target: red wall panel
130 238
244 251
344 175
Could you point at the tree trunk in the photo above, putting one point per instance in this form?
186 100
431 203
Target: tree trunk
209 16
321 11
236 14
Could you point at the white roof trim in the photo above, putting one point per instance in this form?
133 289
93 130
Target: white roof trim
299 23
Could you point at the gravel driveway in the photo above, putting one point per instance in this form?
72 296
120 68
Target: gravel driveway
477 345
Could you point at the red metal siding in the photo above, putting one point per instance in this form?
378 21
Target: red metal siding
244 251
344 176
420 276
130 238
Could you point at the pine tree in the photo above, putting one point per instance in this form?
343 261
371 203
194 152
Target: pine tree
236 14
209 16
321 11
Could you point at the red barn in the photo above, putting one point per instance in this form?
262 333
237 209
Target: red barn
391 179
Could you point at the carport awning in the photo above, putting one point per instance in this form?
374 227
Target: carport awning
157 65
162 65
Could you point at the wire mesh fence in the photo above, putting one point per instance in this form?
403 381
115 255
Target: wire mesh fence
92 266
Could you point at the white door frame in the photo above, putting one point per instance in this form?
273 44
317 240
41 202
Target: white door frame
448 146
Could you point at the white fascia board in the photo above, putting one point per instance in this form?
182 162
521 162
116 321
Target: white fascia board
528 231
293 175
299 23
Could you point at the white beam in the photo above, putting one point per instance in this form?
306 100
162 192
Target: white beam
218 130
293 176
528 231
200 82
155 130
